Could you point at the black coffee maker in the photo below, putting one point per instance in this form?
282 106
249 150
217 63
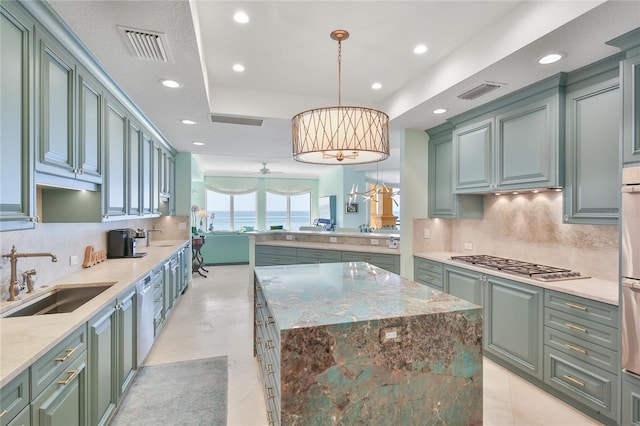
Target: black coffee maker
122 243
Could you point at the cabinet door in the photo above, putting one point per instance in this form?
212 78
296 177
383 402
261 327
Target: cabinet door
126 340
89 162
16 104
527 145
592 156
441 194
103 392
156 183
631 110
56 94
146 170
463 283
175 283
64 402
513 324
630 400
473 162
134 169
168 296
116 178
172 186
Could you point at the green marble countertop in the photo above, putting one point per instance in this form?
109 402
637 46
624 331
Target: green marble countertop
340 293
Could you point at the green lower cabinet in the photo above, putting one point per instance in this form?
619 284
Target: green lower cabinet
22 419
389 262
630 399
428 272
463 283
593 387
64 401
14 397
103 392
513 324
127 355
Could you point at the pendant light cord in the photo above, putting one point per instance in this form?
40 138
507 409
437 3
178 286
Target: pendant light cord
339 71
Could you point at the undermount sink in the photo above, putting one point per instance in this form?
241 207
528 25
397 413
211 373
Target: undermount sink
61 300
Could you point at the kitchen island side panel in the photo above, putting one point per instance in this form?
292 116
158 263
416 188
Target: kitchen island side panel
431 373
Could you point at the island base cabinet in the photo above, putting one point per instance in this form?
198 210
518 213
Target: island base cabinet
630 399
22 419
14 397
64 401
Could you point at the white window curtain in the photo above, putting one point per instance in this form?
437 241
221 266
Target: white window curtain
232 185
289 186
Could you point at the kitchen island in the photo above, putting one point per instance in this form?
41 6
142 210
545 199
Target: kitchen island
345 343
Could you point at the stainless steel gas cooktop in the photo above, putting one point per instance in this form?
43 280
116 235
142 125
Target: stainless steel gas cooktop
531 270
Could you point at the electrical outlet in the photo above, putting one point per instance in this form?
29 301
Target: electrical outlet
182 226
289 237
468 246
73 260
426 233
333 239
375 242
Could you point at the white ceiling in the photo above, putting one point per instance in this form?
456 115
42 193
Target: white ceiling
291 63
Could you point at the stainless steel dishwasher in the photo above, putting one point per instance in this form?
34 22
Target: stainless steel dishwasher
144 296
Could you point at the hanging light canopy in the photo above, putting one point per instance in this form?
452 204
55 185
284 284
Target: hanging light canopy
340 134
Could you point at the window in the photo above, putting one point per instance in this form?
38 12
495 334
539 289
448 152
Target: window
231 211
288 211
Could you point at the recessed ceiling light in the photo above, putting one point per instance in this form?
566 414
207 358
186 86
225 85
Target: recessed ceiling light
240 17
376 86
420 49
198 143
238 68
439 110
171 84
187 121
551 58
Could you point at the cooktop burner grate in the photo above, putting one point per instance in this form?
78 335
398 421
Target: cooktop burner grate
532 270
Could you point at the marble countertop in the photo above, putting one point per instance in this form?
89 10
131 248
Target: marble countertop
341 293
25 339
589 288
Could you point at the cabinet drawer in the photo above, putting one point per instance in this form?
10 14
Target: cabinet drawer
385 261
583 329
268 260
597 355
430 266
321 255
630 400
275 250
22 419
582 308
427 277
592 386
57 360
14 397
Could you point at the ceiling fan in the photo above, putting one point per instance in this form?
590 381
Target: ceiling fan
264 171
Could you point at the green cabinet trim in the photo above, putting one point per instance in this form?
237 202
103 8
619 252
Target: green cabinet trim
103 394
630 400
631 110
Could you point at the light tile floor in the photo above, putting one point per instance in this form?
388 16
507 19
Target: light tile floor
215 318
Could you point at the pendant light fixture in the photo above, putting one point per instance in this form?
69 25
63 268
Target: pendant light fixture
340 134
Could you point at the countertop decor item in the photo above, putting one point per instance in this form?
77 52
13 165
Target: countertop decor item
340 134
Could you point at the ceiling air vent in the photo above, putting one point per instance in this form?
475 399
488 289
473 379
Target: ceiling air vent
479 90
246 121
146 45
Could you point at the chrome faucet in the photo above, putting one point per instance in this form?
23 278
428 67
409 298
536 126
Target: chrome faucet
14 290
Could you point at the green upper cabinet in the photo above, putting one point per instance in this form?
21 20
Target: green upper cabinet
115 185
512 143
134 169
443 202
16 115
593 118
69 118
631 108
146 168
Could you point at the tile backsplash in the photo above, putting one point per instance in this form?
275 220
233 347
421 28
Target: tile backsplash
70 239
526 227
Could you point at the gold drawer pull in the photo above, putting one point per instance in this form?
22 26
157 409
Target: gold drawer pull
575 348
72 374
259 358
258 340
270 394
574 306
270 418
270 320
3 413
270 344
575 327
64 358
270 368
573 380
258 305
258 323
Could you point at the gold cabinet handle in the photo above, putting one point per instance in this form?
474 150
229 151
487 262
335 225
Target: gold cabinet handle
3 413
72 374
270 418
575 348
270 320
258 323
574 306
575 327
574 380
64 358
270 368
270 344
270 394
